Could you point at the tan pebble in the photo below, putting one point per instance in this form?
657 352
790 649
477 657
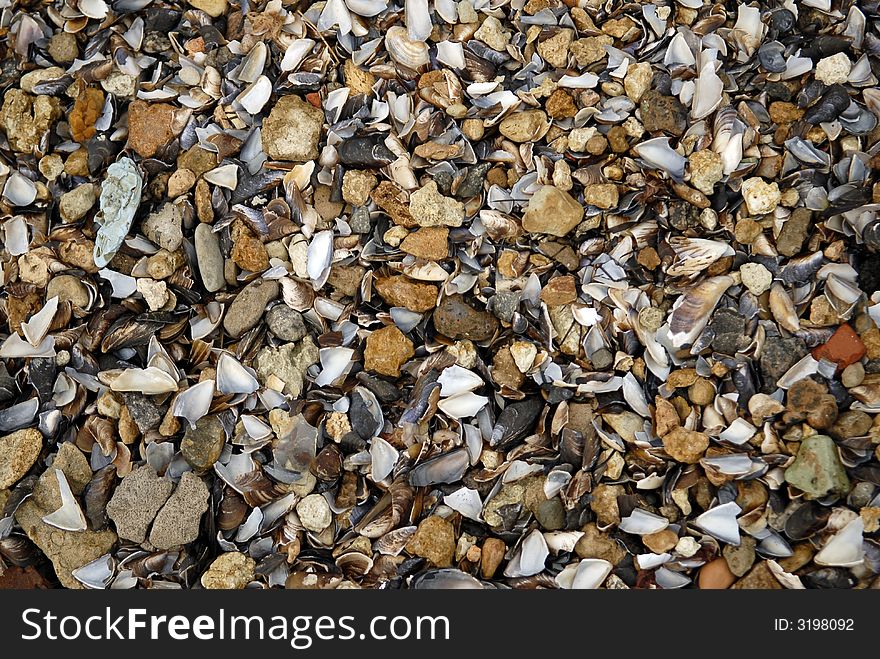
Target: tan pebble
660 542
715 575
180 182
853 375
492 554
473 129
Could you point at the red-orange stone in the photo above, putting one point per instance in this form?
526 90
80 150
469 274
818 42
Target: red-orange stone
843 348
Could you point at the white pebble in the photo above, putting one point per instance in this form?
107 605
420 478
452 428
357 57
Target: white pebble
834 69
755 277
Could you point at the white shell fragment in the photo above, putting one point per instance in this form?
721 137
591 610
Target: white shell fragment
720 522
150 380
233 378
195 402
465 501
588 574
37 326
529 558
69 517
845 548
641 522
384 457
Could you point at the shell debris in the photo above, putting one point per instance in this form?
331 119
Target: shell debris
441 293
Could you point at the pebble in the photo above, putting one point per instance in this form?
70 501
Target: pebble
715 575
179 520
288 363
560 105
198 161
550 514
292 130
429 243
63 47
601 195
560 290
18 453
68 288
136 502
596 544
429 208
755 277
663 113
401 291
492 554
314 513
823 313
164 227
213 8
834 69
493 34
201 446
180 183
760 578
661 541
740 559
578 138
638 80
327 208
809 400
817 470
701 392
762 406
760 197
155 292
603 503
685 446
591 49
626 424
26 118
853 375
458 320
248 252
566 329
666 417
346 279
357 186
151 126
434 540
778 356
74 205
851 423
528 492
286 323
473 129
706 170
552 211
229 571
358 80
209 258
505 371
249 305
525 126
505 304
555 49
387 349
